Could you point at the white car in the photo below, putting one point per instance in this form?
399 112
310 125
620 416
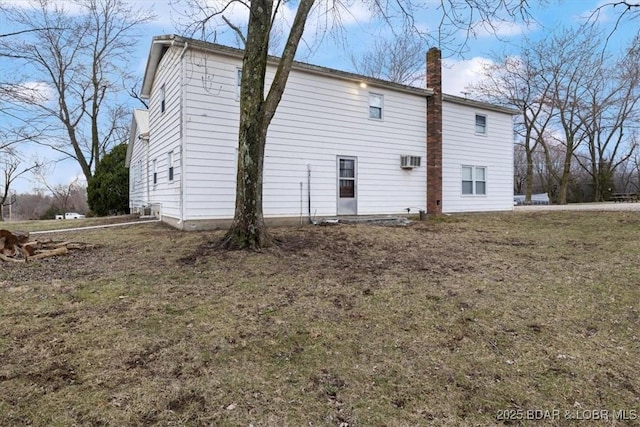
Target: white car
73 215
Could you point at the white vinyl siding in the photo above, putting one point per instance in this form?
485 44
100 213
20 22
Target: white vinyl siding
165 132
138 146
140 174
490 158
318 118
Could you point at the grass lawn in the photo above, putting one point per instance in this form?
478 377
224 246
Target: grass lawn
456 321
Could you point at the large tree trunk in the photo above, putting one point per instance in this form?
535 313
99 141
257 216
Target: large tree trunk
248 230
564 179
529 179
529 157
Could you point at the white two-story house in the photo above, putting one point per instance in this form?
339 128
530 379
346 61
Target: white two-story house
339 144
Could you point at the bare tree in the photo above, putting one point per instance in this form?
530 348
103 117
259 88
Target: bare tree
627 176
517 81
567 58
28 206
61 193
11 168
80 59
257 110
626 11
611 108
400 60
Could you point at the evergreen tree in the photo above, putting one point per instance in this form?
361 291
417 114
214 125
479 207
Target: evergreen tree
108 189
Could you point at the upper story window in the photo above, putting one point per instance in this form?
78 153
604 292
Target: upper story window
238 82
481 124
376 103
474 180
163 103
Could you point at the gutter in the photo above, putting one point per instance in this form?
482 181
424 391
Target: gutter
183 144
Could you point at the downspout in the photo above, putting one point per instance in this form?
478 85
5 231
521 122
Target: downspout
311 221
183 120
146 143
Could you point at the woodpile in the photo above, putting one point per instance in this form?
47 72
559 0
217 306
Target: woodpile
16 247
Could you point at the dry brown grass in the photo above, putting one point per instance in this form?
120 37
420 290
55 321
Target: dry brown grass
443 323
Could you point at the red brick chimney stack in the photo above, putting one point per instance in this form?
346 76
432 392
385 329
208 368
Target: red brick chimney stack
434 132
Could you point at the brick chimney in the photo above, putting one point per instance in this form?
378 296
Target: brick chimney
434 132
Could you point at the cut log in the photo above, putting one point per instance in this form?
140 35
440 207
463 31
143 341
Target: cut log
58 244
15 247
31 247
11 242
46 254
80 246
15 237
9 259
8 251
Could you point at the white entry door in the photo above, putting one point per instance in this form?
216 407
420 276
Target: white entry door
347 179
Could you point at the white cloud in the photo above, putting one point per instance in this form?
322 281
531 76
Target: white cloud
162 11
32 92
355 14
505 29
600 13
68 6
457 75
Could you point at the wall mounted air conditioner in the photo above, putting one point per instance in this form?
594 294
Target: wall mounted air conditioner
410 162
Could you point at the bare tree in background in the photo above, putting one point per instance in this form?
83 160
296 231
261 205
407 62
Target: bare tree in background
518 82
257 109
611 108
566 59
11 168
571 96
400 60
625 11
12 163
61 193
31 206
79 59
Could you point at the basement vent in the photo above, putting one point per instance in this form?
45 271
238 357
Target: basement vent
410 162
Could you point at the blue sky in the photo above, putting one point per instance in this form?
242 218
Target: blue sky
359 32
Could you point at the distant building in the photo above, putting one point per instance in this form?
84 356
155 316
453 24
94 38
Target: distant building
536 199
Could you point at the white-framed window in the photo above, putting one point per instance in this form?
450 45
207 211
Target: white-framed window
170 165
481 124
154 171
238 82
376 103
474 180
163 101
